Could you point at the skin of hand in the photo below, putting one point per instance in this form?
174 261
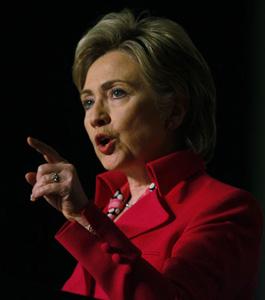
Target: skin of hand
66 195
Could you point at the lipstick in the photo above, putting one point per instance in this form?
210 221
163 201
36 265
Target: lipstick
105 143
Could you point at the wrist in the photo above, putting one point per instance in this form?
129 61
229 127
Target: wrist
76 212
81 219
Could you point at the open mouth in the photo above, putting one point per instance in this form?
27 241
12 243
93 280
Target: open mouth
102 139
105 143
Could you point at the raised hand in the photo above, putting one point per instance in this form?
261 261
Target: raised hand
56 181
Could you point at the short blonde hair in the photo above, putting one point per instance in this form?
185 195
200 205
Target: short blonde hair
170 62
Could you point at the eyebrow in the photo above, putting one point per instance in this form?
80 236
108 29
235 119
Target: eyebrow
106 85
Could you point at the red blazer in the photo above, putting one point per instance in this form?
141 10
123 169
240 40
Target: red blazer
193 237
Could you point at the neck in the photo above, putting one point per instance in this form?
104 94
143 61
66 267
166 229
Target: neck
138 180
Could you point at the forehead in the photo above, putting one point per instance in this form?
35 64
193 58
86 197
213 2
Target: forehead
113 65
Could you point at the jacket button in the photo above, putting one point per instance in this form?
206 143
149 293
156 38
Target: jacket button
127 269
116 258
105 247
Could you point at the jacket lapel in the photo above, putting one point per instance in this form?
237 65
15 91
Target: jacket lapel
146 215
149 212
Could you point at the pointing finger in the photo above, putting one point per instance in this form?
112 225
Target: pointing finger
49 154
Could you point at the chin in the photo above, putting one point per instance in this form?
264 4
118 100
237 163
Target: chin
110 163
115 162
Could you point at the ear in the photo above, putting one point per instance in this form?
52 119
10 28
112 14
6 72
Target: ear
177 115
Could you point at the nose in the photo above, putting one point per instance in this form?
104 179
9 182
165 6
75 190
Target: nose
99 116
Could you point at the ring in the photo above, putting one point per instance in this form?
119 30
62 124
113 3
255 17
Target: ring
55 177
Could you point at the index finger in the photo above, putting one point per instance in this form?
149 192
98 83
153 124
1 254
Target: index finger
49 154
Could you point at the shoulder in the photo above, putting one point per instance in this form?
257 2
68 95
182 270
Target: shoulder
216 192
209 188
206 197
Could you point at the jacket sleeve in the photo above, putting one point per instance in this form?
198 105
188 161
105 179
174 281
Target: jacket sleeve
202 264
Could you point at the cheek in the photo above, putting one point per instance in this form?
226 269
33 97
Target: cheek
88 128
85 123
137 131
146 120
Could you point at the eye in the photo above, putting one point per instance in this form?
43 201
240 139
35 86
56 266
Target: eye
87 103
118 93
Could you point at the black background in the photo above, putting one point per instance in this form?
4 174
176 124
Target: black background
40 100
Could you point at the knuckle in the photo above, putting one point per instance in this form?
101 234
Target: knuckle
67 183
38 192
42 168
70 167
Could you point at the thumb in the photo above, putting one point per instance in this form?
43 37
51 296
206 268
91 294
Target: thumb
31 177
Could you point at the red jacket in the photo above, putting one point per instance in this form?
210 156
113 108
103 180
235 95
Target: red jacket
191 238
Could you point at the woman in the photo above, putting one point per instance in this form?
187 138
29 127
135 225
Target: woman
159 227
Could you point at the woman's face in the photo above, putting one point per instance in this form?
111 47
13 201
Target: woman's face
121 119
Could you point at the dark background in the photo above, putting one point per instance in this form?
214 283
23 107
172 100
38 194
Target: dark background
40 100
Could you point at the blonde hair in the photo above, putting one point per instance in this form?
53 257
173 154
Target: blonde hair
170 62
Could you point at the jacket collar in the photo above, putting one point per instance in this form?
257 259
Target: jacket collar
153 212
165 172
